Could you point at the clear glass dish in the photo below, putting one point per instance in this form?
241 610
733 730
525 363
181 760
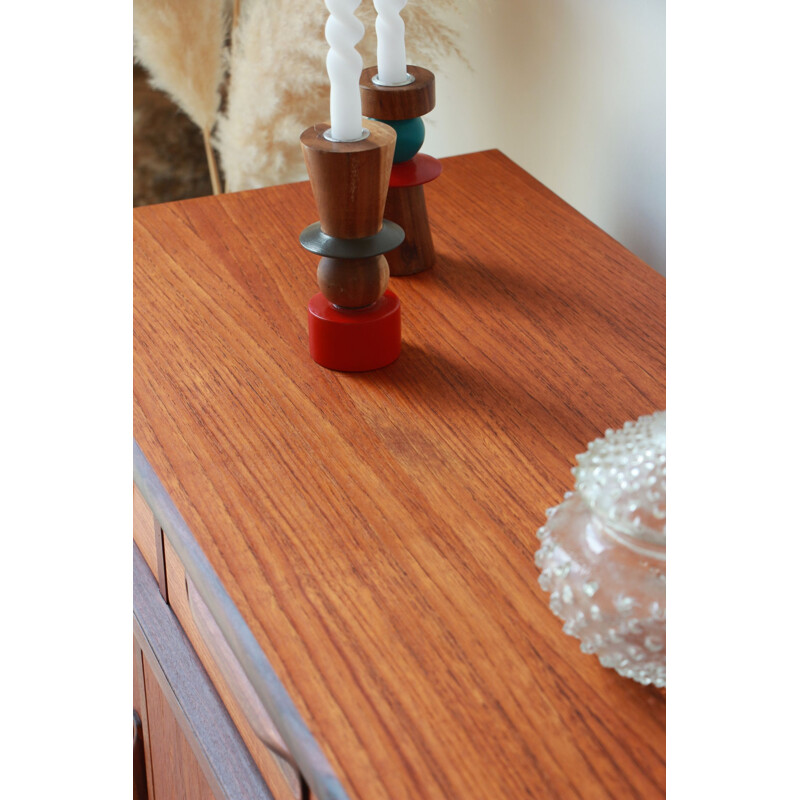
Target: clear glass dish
603 551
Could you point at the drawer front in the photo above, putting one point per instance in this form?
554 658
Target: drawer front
248 714
144 531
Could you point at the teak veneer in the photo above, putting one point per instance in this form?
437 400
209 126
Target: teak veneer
376 531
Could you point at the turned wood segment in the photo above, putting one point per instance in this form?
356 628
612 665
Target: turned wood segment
349 179
405 205
398 102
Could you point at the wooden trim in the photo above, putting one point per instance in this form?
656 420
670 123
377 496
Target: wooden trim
232 673
223 758
283 780
312 762
143 524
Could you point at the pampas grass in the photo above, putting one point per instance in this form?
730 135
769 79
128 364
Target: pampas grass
236 6
181 44
279 84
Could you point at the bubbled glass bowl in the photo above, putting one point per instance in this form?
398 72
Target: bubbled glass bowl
603 551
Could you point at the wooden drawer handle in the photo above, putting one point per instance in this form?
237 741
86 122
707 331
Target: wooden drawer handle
139 768
253 709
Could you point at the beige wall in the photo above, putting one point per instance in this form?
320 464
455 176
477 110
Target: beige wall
573 91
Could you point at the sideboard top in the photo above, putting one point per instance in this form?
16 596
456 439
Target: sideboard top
377 531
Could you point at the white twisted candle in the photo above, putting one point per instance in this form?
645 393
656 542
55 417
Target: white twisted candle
344 31
391 41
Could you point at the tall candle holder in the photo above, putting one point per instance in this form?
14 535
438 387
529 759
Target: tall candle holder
401 106
354 321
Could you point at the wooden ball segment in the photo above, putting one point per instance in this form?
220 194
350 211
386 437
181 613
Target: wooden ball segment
353 322
353 282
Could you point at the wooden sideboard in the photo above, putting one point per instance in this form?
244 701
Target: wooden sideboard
345 561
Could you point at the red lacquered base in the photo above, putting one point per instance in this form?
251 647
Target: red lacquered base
420 169
354 341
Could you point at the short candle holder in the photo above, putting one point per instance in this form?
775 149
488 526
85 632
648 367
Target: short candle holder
402 106
353 322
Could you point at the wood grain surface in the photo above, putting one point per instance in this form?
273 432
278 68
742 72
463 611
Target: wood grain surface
377 530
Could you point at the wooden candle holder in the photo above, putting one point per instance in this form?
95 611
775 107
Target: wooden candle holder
353 322
402 107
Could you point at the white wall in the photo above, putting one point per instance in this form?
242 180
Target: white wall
574 92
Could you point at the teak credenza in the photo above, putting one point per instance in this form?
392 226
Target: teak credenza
334 587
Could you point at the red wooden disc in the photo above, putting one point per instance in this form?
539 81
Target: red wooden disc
415 172
354 341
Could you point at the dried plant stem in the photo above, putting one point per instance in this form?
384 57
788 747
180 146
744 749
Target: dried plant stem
279 84
235 22
212 162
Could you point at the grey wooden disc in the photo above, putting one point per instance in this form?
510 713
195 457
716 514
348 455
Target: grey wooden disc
389 237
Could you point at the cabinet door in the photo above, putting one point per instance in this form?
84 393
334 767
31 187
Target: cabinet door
176 773
192 747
